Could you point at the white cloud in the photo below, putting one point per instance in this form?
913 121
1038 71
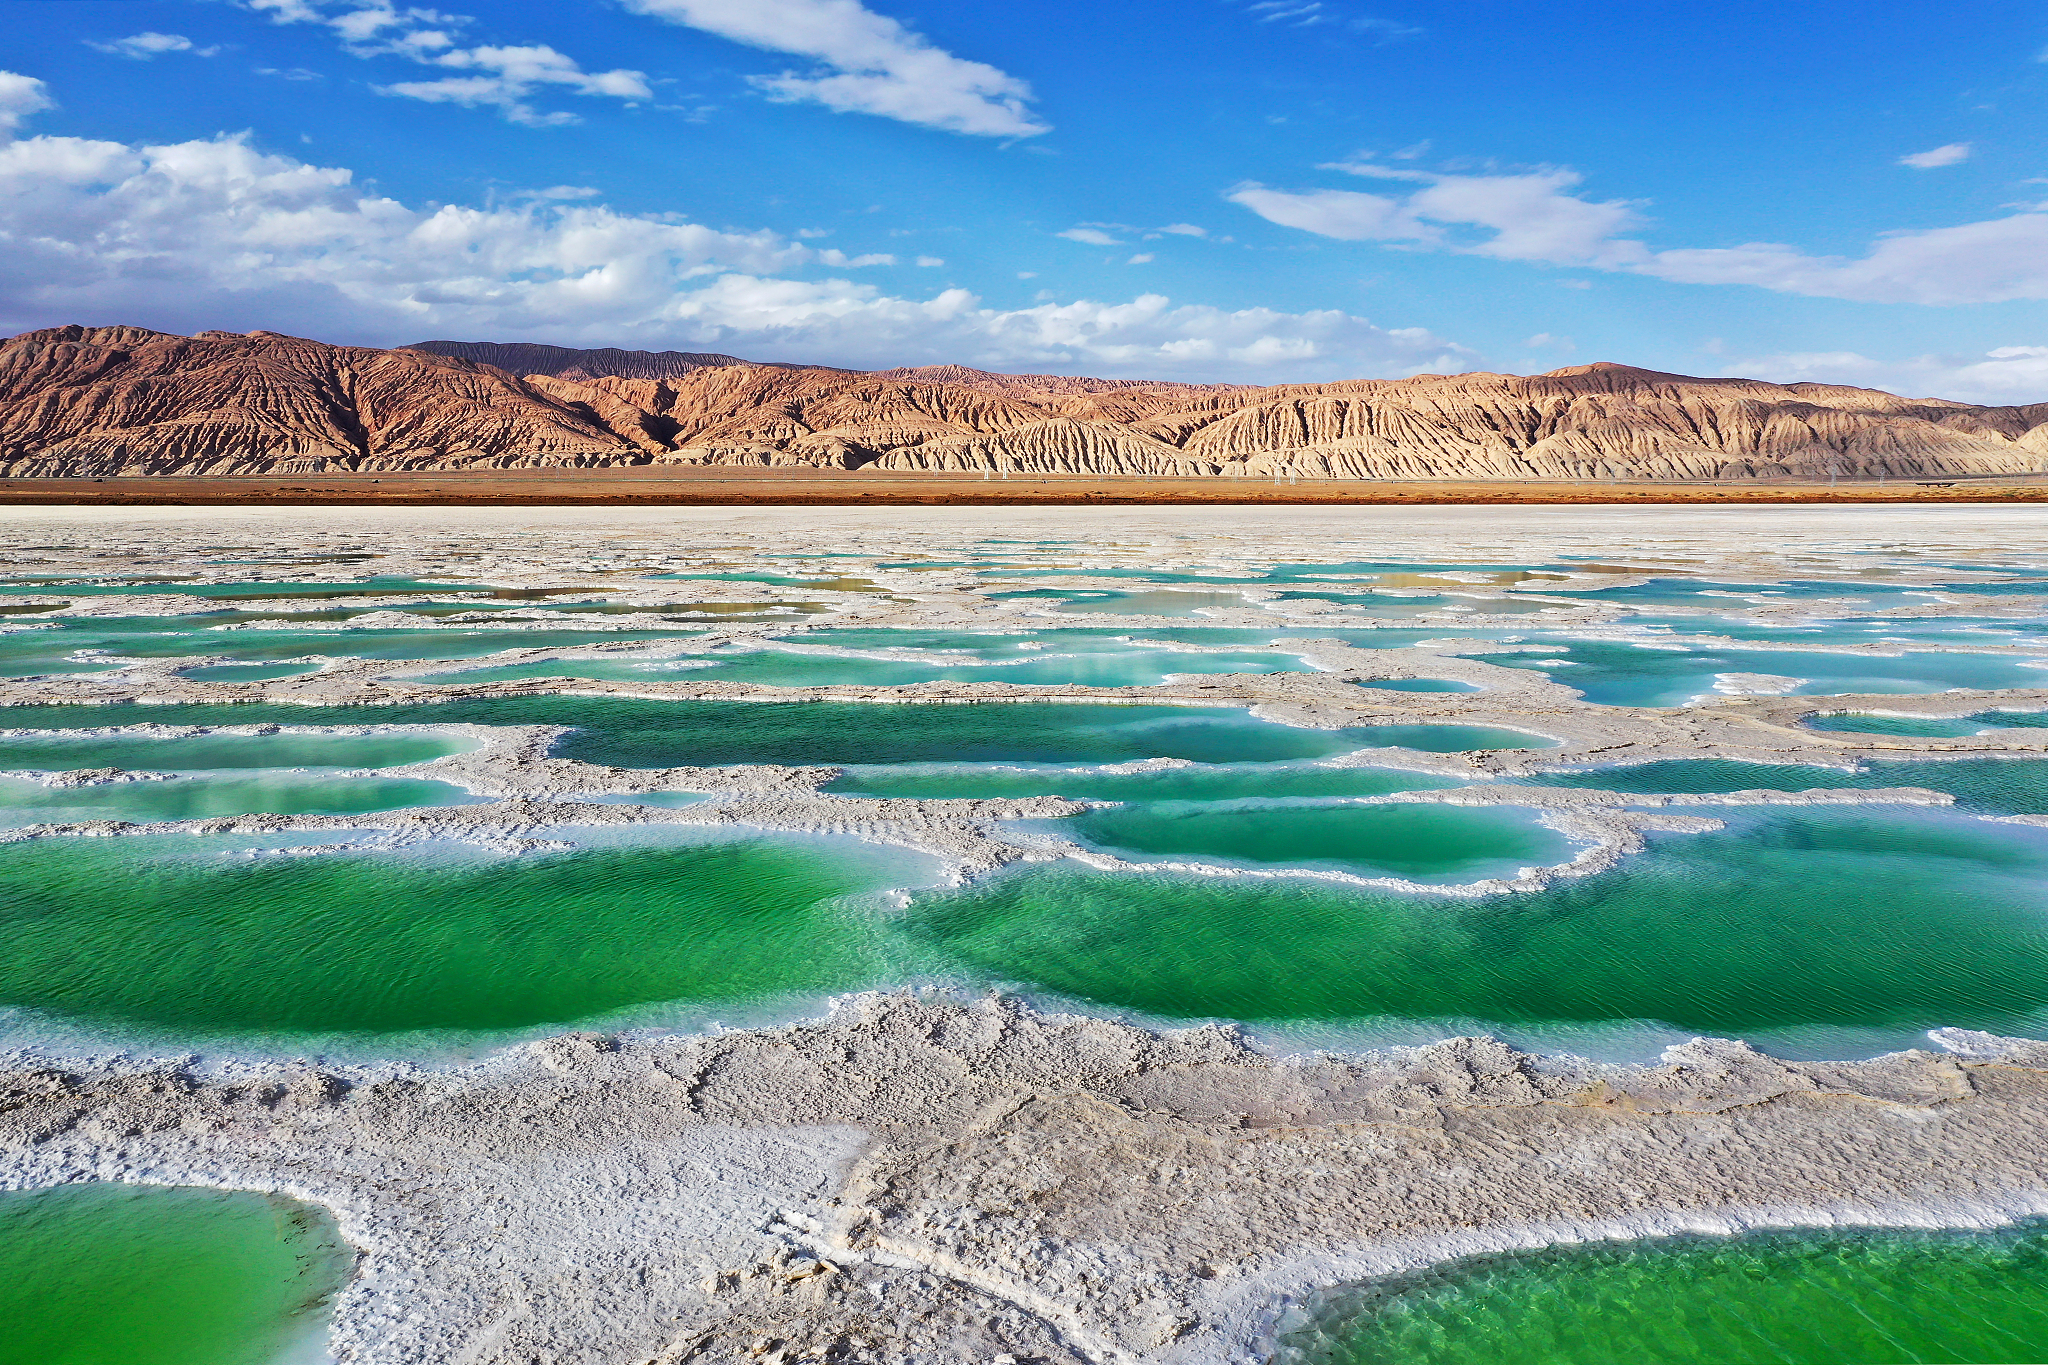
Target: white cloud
2008 375
1545 341
20 96
1987 262
1142 258
1090 236
511 75
1531 217
869 64
143 46
217 234
1344 214
1185 230
931 262
1940 156
1536 217
1295 13
1316 13
1386 30
503 78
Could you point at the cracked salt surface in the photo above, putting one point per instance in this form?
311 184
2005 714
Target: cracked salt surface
951 1177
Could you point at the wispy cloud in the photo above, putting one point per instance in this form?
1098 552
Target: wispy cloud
1321 14
142 47
1539 217
1299 13
1091 236
869 63
1530 217
2003 375
1947 155
504 78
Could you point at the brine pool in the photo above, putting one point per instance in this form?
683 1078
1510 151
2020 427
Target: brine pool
578 785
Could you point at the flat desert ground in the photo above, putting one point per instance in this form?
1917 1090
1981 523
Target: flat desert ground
716 486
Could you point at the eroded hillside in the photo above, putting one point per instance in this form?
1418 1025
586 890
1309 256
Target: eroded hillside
128 401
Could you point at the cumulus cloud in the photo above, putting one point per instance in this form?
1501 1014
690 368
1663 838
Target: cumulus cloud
1142 258
1090 236
1940 156
20 96
1538 217
2007 375
217 233
503 78
868 63
143 46
1185 230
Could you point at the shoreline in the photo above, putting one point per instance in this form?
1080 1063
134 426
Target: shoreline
734 486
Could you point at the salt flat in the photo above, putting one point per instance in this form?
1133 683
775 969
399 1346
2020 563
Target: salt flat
1118 1057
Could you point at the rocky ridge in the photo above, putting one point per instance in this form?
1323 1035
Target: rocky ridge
98 402
564 362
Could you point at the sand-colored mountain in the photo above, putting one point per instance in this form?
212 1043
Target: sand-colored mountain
125 400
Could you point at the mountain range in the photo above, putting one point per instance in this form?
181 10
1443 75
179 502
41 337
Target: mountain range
105 401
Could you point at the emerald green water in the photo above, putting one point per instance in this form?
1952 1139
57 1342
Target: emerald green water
1615 674
189 798
1884 920
2002 786
1436 842
635 733
1419 685
779 668
30 652
1776 1298
1925 727
1739 933
1198 782
160 936
1770 925
137 1275
56 752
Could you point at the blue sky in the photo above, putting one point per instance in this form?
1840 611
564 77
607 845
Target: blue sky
1248 190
